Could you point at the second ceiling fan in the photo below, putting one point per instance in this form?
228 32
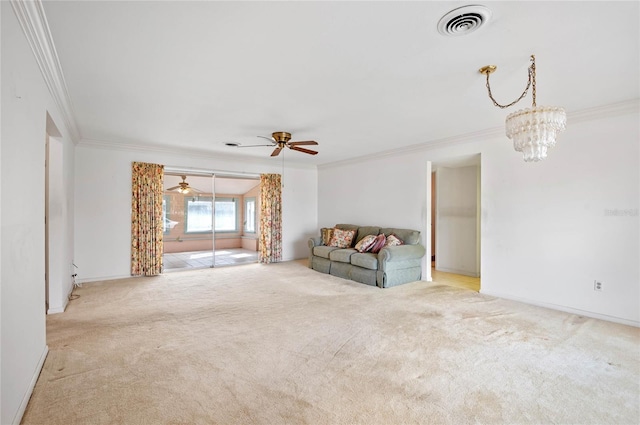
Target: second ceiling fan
281 140
184 188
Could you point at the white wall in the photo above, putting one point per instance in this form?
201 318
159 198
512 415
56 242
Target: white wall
456 218
103 204
547 228
551 223
386 191
25 104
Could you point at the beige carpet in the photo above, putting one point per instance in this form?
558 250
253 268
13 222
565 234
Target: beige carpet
283 344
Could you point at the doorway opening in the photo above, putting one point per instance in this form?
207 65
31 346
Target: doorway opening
213 223
57 285
455 222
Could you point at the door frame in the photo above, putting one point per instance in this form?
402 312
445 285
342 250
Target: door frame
431 167
57 284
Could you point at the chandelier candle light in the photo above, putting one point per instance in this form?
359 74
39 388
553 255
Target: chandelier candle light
533 130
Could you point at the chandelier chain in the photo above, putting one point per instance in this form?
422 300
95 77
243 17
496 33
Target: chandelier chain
532 76
532 82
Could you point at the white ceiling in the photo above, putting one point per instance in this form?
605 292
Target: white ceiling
357 77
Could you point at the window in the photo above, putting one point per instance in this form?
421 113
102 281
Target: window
200 210
250 215
226 215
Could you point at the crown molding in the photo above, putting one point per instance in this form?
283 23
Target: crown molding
631 106
189 152
607 111
32 19
590 114
421 147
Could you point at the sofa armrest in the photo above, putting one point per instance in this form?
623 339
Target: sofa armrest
314 241
400 253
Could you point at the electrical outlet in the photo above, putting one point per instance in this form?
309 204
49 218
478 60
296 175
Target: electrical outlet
597 286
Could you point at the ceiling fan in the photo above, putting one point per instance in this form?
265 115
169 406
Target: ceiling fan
183 187
281 139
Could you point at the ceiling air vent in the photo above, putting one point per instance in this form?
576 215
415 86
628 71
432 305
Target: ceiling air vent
463 20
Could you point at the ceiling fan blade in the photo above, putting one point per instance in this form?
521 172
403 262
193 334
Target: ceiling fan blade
310 152
276 152
251 146
268 138
173 188
308 142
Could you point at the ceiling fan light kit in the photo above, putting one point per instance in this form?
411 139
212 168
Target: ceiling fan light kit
533 130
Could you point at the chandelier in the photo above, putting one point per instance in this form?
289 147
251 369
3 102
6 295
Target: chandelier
533 130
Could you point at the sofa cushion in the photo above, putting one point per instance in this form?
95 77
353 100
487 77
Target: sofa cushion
393 240
326 233
342 255
342 238
378 244
323 251
365 231
365 260
408 236
365 243
353 227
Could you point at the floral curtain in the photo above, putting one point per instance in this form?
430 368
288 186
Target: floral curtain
146 219
270 241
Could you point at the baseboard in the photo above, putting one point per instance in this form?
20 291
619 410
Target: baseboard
566 309
100 279
456 271
56 310
27 396
61 309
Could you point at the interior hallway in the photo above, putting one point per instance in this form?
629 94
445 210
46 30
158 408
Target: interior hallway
458 280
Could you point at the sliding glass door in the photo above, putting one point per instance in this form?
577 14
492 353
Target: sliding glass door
209 220
188 220
236 236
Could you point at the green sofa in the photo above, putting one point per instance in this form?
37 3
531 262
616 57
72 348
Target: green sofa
391 266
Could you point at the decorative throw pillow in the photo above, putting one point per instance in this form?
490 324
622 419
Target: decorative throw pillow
326 235
379 243
365 243
342 238
393 240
